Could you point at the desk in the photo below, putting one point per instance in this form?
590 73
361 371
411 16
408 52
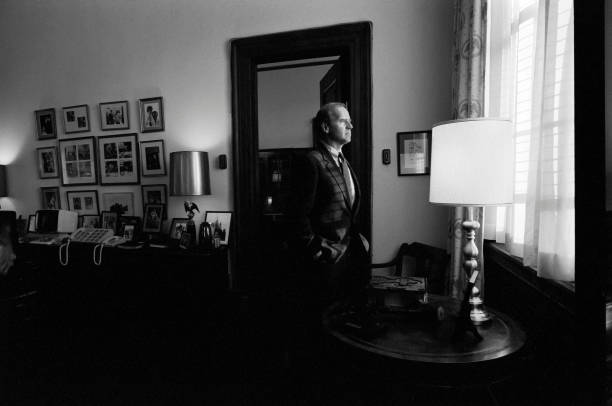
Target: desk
423 350
130 284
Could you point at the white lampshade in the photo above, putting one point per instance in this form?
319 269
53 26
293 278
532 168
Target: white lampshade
472 162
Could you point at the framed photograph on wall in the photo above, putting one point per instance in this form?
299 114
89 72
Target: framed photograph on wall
91 221
118 159
45 124
109 220
47 162
50 198
153 158
413 153
84 202
114 116
119 202
76 119
152 221
151 114
155 194
177 228
220 224
78 161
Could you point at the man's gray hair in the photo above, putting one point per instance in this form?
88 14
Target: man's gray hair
324 115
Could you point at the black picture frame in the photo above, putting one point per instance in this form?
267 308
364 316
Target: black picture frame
133 221
48 167
114 115
71 195
151 114
109 219
50 198
76 119
78 161
46 127
155 194
413 153
220 221
152 224
177 228
118 159
153 158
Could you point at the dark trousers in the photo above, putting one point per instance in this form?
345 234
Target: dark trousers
318 286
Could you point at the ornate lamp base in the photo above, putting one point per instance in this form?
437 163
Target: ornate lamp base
478 314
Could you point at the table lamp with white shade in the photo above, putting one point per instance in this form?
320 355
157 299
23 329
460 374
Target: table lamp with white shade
472 165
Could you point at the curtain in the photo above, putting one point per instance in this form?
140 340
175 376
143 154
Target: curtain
532 81
469 59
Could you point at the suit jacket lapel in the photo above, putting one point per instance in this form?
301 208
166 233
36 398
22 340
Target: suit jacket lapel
336 175
357 190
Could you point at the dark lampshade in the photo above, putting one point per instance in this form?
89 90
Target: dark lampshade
189 173
3 188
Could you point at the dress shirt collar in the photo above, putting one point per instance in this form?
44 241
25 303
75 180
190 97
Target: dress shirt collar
333 151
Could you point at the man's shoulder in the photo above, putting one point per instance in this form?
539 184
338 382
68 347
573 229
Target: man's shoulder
316 155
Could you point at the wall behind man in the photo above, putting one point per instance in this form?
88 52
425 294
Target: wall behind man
63 53
287 100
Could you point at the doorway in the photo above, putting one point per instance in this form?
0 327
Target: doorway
351 44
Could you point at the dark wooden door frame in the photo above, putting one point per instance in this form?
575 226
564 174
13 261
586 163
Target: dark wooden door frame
352 42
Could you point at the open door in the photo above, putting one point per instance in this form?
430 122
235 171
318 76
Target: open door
352 43
329 86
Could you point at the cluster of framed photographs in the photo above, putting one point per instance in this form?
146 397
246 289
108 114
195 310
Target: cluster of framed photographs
118 210
86 202
113 116
112 160
109 160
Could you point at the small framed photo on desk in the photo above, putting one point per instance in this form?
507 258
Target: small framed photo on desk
153 218
185 240
177 228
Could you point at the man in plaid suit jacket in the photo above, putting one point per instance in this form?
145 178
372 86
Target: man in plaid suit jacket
326 205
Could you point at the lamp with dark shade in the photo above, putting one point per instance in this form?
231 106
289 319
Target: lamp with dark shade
472 165
189 176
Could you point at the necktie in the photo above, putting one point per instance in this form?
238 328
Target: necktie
348 180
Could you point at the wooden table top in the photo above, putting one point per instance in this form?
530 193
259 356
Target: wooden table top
429 340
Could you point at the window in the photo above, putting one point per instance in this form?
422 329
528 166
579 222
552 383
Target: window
532 81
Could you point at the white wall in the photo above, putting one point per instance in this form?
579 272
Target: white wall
287 100
61 53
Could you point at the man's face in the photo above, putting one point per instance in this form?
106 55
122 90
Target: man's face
339 129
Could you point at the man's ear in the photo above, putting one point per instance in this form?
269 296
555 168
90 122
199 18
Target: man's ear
325 127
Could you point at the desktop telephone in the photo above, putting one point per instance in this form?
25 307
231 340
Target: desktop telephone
101 237
104 236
